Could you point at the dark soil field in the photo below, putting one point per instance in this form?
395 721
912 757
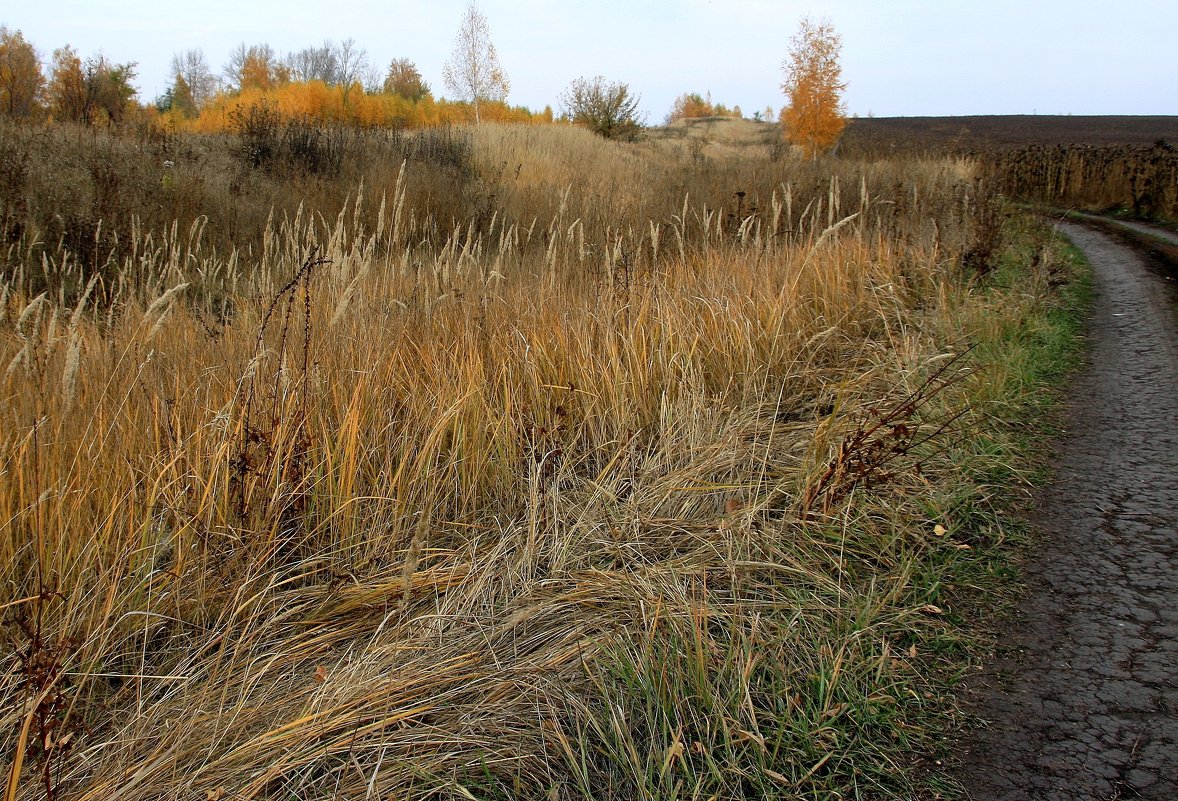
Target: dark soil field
886 135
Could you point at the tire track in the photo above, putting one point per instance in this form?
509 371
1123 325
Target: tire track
1084 699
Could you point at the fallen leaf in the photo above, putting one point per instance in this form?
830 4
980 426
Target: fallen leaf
939 530
777 777
930 609
320 674
834 711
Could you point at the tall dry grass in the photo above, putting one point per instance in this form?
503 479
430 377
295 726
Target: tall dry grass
514 509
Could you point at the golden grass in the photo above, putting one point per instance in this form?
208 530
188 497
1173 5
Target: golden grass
512 512
720 137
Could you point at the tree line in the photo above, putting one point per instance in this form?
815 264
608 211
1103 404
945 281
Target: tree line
334 81
91 91
337 81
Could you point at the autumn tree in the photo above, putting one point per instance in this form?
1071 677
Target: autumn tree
192 78
21 80
66 92
255 67
404 80
90 92
813 118
606 108
689 105
473 72
109 91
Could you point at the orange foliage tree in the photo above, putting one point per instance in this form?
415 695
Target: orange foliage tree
813 118
20 75
67 86
255 67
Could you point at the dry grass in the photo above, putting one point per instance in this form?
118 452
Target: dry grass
721 137
514 509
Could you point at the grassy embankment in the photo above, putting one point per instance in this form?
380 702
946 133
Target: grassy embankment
541 467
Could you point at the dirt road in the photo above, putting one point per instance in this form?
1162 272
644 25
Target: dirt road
1083 700
1141 228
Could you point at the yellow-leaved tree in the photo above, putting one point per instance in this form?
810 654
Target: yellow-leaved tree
813 117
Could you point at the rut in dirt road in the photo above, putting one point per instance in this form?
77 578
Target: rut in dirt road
1084 698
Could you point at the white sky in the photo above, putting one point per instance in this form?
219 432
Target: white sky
900 57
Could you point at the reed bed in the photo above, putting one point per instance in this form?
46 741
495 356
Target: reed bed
591 494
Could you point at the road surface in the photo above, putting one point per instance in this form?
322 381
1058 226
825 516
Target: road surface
1083 698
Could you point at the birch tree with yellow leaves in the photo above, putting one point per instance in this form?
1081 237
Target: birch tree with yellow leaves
813 118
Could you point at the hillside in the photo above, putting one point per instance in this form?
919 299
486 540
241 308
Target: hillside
717 136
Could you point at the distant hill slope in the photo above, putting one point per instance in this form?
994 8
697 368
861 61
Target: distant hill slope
716 136
882 135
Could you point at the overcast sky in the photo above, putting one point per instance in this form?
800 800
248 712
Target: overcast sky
900 57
